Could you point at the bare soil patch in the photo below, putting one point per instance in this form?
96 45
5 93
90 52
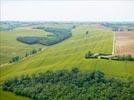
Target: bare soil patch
124 43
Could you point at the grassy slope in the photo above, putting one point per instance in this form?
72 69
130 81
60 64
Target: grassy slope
10 96
68 54
9 46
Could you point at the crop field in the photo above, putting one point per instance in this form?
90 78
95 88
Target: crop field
64 55
125 43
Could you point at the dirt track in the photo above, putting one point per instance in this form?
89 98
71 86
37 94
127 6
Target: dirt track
124 43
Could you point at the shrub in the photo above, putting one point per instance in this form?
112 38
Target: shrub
33 51
15 59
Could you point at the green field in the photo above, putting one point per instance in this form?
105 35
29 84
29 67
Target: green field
10 47
65 55
10 96
70 53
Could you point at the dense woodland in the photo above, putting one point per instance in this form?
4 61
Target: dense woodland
71 85
59 34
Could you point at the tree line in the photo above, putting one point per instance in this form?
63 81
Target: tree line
71 85
17 58
90 55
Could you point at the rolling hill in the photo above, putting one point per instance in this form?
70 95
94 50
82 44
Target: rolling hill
10 46
71 53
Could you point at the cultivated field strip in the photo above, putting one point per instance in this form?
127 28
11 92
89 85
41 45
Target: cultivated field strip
124 43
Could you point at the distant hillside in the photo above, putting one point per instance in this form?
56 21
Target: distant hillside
10 25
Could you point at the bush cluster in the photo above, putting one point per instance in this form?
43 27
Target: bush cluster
71 85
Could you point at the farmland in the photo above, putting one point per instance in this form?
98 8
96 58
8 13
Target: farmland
67 50
10 46
64 55
125 43
70 53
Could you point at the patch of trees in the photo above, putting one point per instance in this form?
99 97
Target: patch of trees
18 58
34 51
73 27
28 40
59 34
87 32
71 85
130 29
15 59
89 55
124 58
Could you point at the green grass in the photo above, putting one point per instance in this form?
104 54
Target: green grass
9 46
70 53
10 96
65 55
